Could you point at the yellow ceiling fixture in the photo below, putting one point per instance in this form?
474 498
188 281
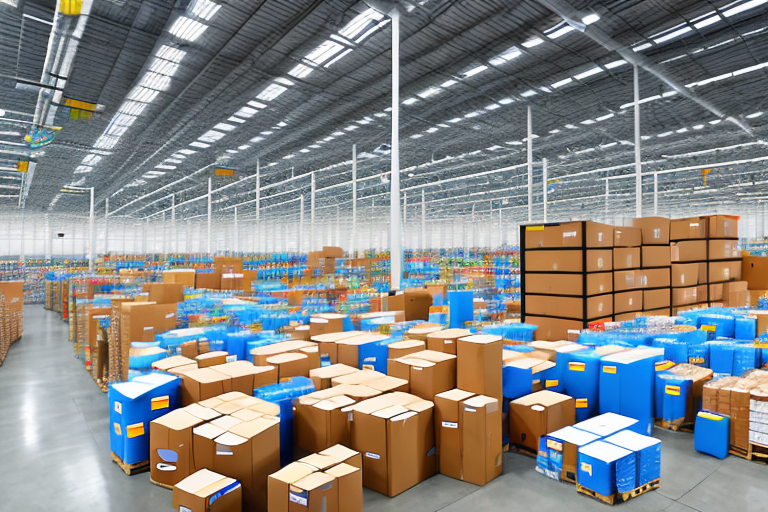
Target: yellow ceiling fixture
70 7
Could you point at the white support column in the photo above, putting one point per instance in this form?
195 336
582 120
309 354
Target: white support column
236 244
638 163
472 228
47 240
405 208
423 221
106 225
655 193
145 245
395 242
313 185
544 186
338 227
606 199
301 223
174 246
529 140
353 245
210 188
22 241
91 233
162 240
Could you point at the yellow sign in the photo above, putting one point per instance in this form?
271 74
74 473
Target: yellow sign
576 367
582 403
551 383
554 445
587 468
224 172
696 360
664 365
672 390
161 402
710 416
71 7
708 328
80 105
135 430
609 369
534 228
23 166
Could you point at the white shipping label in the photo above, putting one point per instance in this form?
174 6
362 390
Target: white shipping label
600 307
295 498
450 424
569 234
600 236
656 233
148 328
631 301
170 315
182 508
600 288
231 358
448 342
417 368
600 262
374 456
469 409
118 408
727 273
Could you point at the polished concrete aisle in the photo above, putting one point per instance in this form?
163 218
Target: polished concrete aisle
54 454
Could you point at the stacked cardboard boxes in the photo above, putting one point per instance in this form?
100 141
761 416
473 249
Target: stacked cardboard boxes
724 265
688 248
627 285
11 314
567 276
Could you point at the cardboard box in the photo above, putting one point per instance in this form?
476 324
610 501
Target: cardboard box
211 359
537 414
624 280
569 284
396 434
325 323
735 294
322 424
164 293
627 237
261 354
693 228
245 377
278 485
198 385
566 442
250 452
360 377
446 340
183 276
523 375
322 377
716 291
313 356
721 271
448 431
313 493
415 304
724 249
388 384
723 226
569 234
173 362
207 281
598 306
688 250
553 329
349 481
597 260
754 270
655 230
653 278
684 274
421 331
481 439
196 491
290 365
655 256
656 299
327 343
625 258
626 302
349 348
400 349
690 295
170 447
203 445
428 372
478 364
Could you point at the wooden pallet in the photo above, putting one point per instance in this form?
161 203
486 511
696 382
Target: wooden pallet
755 453
685 427
619 497
523 449
131 469
165 486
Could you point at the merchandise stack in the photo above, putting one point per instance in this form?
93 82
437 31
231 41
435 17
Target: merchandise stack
688 249
567 275
655 263
627 286
11 314
724 262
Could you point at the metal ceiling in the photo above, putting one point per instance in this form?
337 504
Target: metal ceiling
470 70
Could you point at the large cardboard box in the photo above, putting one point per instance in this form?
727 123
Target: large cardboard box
693 228
570 234
170 447
655 256
684 274
245 377
625 258
597 260
349 348
624 280
349 480
316 492
688 250
627 237
448 431
279 483
656 299
183 276
654 278
721 271
327 343
723 226
415 304
446 340
598 306
538 414
655 230
261 354
325 323
402 348
420 331
289 365
428 372
250 452
322 377
478 364
569 284
215 358
164 293
553 329
207 280
481 439
196 493
169 363
201 384
322 424
724 249
396 434
690 295
754 270
566 442
735 294
626 302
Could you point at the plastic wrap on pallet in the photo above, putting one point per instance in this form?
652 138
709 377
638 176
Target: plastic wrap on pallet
646 455
582 382
623 339
237 341
721 356
626 473
724 325
745 328
698 355
675 393
373 356
745 357
142 358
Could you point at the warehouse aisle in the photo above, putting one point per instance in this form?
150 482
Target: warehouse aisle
54 454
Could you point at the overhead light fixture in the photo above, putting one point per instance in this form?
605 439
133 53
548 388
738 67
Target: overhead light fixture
224 127
91 159
756 114
173 161
304 150
199 144
528 93
426 93
417 136
590 19
163 67
235 119
324 52
211 136
641 47
187 151
170 53
257 139
283 81
243 147
187 29
267 132
505 56
534 41
554 131
432 130
492 106
256 104
506 101
448 83
560 32
615 64
142 94
271 92
455 120
743 7
590 72
351 127
83 169
474 71
716 121
300 71
673 34
204 9
603 118
665 134
561 83
410 101
233 151
698 126
163 166
246 112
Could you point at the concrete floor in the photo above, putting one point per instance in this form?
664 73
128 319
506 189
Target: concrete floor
54 454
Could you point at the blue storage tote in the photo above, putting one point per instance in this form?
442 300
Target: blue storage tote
647 465
745 328
460 308
658 391
597 466
519 377
711 435
676 393
582 382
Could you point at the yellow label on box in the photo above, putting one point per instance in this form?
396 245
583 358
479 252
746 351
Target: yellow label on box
710 416
118 430
534 228
609 369
135 430
554 445
551 383
672 390
576 367
708 328
664 365
161 402
761 345
587 468
696 360
582 403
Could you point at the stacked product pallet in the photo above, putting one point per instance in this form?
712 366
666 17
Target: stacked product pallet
628 295
656 265
567 276
724 262
11 314
688 245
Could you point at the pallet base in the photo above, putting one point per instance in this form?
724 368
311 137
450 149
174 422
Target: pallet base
755 453
619 497
131 469
164 486
685 427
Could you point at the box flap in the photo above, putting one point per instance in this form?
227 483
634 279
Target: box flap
199 411
334 370
249 429
341 470
455 395
246 415
632 440
603 451
450 334
204 483
226 422
606 424
481 401
412 361
208 431
293 472
425 328
482 339
432 355
336 402
383 384
631 356
211 355
288 357
360 377
545 398
206 376
238 369
333 337
574 436
339 451
230 439
178 420
314 481
390 412
172 362
406 344
383 401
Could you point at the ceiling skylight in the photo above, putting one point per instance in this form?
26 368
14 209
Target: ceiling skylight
204 9
300 71
211 136
187 29
271 92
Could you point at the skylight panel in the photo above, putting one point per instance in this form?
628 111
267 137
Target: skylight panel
83 169
711 20
590 72
163 166
506 101
256 104
492 106
571 126
300 71
615 64
283 81
163 67
257 139
641 47
198 144
142 94
377 114
505 56
556 130
432 129
448 83
588 121
266 133
715 121
752 116
234 119
426 93
271 92
328 139
91 159
246 112
665 134
324 52
133 108
211 136
173 161
232 151
224 127
361 25
172 54
337 134
410 101
288 157
743 7
562 83
187 29
590 19
560 32
603 118
472 114
417 136
455 120
474 71
534 41
155 81
351 127
338 58
187 151
528 93
366 120
204 9
282 124
305 150
671 35
698 126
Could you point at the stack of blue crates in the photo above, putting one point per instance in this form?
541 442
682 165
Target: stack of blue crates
646 466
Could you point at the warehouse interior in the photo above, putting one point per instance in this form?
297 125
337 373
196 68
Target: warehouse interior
263 223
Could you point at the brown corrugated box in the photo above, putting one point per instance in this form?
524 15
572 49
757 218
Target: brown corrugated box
172 362
624 280
684 274
313 493
261 354
194 493
481 439
415 304
403 348
598 306
553 329
321 377
171 434
720 271
699 376
754 270
655 230
627 237
421 331
183 276
655 256
217 357
723 226
428 372
445 340
325 323
538 414
569 284
291 364
448 431
349 481
656 299
598 260
625 302
164 293
690 295
724 249
654 278
735 294
716 292
348 348
245 377
278 485
322 424
688 250
207 281
625 258
201 384
692 228
478 364
327 343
